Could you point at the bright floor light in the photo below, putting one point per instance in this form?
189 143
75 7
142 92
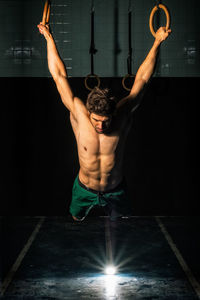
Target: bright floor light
110 270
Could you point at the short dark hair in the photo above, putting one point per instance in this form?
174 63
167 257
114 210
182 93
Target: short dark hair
101 102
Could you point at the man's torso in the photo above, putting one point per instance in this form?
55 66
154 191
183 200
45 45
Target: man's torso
100 155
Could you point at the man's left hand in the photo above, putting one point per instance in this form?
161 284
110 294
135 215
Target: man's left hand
162 34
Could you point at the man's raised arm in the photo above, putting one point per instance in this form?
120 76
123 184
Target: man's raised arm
145 71
57 69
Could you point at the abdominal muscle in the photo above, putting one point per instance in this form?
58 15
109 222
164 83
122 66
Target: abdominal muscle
100 173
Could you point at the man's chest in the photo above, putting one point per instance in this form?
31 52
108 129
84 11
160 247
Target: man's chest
97 144
90 142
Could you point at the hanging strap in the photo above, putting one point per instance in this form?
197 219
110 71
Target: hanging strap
157 3
129 58
92 52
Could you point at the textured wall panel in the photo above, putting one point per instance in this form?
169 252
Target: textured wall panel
23 50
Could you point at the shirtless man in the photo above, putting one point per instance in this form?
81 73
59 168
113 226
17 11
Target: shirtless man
100 127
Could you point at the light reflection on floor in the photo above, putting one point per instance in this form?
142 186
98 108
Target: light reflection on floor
112 283
67 262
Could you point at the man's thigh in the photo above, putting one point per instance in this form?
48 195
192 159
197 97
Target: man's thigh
82 201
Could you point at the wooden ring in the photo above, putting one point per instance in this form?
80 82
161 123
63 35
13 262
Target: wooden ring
46 13
92 76
124 79
152 16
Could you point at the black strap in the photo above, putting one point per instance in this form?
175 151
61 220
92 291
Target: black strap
129 58
157 3
92 45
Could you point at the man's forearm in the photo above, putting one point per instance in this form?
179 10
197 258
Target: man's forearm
57 69
55 64
146 69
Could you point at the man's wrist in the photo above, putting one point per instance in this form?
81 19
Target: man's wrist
48 36
157 43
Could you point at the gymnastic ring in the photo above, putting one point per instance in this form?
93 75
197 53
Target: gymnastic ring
46 13
92 76
152 16
124 79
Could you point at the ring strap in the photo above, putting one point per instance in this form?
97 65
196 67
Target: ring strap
92 52
129 58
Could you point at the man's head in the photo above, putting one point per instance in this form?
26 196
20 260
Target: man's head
101 107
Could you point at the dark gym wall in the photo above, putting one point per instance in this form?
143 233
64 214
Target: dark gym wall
39 160
23 50
39 156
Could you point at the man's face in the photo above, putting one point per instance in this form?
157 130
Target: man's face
101 124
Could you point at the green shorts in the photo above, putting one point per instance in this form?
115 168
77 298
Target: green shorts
84 199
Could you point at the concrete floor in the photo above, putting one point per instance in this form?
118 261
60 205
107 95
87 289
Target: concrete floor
55 258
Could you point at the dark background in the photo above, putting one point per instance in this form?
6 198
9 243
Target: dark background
39 162
39 156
